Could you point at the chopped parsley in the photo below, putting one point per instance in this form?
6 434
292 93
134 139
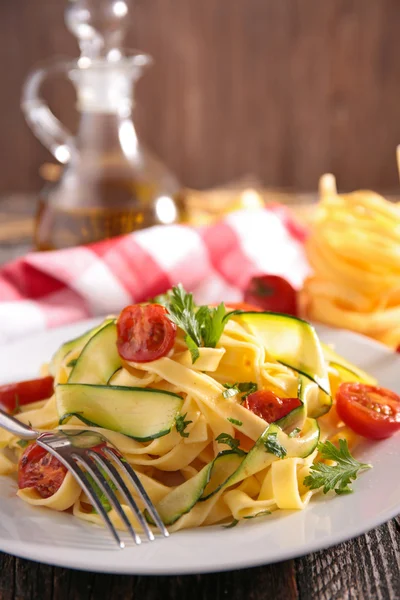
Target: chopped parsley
336 477
261 513
273 446
203 325
235 422
232 524
181 425
226 438
295 432
245 388
23 443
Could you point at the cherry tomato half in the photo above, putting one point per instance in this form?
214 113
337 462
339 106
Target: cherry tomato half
373 412
269 406
272 293
145 332
13 395
41 470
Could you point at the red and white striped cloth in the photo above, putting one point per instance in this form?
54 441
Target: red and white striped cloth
44 290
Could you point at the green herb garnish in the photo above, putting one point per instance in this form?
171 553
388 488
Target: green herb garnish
203 325
295 432
273 446
23 443
261 513
336 477
235 422
225 438
232 524
245 388
181 425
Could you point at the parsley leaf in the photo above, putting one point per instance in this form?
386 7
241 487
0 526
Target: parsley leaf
273 446
336 477
235 421
181 308
245 388
261 513
225 438
23 443
193 348
181 425
295 432
232 390
203 325
232 524
211 322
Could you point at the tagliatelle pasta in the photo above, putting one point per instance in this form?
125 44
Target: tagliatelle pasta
354 252
202 454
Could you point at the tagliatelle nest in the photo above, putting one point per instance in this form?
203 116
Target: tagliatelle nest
354 251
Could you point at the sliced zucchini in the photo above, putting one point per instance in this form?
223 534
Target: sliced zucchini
182 499
230 468
143 414
225 464
99 359
294 343
346 368
71 345
258 458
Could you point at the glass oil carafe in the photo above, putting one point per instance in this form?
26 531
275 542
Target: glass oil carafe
110 184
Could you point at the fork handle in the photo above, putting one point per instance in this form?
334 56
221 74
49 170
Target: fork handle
15 427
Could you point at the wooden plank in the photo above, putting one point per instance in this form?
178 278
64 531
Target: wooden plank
34 581
7 576
367 567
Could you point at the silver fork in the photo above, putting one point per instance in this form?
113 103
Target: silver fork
85 452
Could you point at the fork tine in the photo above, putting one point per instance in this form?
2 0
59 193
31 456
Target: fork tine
88 488
134 479
100 480
121 486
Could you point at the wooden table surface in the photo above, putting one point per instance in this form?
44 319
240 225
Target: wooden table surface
367 567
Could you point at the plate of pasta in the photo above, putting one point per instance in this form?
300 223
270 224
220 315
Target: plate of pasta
248 430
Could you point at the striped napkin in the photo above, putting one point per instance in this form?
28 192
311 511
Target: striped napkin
45 290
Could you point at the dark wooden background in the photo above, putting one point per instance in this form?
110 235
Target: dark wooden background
283 89
364 569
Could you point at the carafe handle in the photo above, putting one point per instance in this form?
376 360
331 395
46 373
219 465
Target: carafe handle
44 124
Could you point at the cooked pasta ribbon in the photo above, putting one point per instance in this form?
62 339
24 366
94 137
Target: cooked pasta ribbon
201 454
354 253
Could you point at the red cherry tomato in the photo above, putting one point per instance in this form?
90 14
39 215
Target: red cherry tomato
272 293
13 395
373 412
269 406
243 306
145 332
41 470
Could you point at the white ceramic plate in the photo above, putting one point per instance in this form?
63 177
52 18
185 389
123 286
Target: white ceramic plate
60 539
